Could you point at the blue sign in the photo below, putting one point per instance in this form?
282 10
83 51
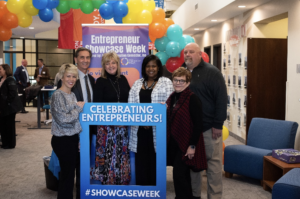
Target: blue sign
159 3
142 114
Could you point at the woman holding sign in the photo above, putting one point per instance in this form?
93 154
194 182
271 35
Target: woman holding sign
65 129
112 165
185 143
152 88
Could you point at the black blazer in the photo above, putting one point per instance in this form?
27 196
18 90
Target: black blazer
9 98
77 88
20 75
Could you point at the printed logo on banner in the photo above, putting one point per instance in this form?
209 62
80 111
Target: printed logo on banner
123 114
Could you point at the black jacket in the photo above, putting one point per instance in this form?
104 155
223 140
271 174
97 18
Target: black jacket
20 75
9 98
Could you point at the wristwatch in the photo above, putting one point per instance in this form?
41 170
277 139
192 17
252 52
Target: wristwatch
193 146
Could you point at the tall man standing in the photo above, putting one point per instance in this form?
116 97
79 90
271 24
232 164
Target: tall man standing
209 85
22 78
42 76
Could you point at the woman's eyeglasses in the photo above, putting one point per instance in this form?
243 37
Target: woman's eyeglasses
180 81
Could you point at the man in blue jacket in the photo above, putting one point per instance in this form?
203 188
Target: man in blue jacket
22 78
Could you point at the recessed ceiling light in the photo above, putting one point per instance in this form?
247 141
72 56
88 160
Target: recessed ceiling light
214 20
242 6
21 37
31 27
196 28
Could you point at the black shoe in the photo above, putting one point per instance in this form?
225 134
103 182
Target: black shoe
24 111
194 197
7 147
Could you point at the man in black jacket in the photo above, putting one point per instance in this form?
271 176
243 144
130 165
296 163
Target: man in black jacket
22 78
209 85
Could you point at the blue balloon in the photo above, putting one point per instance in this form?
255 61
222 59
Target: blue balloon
106 11
174 32
163 56
120 9
52 4
118 19
188 38
161 43
184 40
173 49
46 14
111 1
40 4
193 40
125 1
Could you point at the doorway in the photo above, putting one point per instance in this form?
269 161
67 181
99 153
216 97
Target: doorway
217 49
207 50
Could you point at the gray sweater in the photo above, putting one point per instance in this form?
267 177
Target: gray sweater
65 114
209 85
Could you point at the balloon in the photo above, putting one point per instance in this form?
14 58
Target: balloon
161 43
106 11
5 33
135 6
98 3
168 22
225 133
87 7
223 146
46 14
205 57
144 17
193 40
152 38
15 6
3 9
173 63
10 20
148 5
173 49
158 15
157 30
184 40
174 32
75 4
30 9
130 18
182 56
111 1
52 4
63 7
120 9
24 20
163 56
118 19
188 38
40 4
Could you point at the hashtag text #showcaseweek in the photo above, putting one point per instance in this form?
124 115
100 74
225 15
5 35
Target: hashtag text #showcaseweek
123 193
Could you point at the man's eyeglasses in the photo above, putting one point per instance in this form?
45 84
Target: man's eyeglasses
180 81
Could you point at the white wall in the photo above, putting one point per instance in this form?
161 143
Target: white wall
51 34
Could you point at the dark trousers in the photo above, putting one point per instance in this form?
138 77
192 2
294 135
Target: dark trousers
181 172
44 98
145 158
23 98
8 130
66 149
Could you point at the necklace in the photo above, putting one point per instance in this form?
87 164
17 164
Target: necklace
150 87
117 90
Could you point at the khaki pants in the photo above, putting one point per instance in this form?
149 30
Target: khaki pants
213 149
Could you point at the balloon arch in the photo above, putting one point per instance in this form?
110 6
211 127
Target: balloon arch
166 35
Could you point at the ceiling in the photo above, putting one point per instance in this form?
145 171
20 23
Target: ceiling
225 13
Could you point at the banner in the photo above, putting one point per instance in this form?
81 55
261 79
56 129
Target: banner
129 41
123 114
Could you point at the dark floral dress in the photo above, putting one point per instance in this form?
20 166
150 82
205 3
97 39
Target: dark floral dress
112 164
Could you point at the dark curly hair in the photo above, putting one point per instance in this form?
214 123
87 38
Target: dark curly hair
146 60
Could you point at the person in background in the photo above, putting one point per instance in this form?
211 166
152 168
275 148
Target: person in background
152 88
112 165
10 104
209 85
22 77
185 144
65 129
42 76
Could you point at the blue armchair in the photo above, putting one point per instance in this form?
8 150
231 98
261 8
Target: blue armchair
263 136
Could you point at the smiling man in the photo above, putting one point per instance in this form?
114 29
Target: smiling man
209 85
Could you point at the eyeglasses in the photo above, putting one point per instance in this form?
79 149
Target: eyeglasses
180 81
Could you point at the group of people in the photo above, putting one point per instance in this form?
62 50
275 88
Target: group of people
196 101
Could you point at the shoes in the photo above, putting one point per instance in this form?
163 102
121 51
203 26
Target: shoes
7 147
42 110
194 197
24 111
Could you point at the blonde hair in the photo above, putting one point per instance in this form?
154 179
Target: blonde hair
179 72
107 57
67 68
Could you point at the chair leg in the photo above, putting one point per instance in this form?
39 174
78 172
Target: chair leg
228 175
